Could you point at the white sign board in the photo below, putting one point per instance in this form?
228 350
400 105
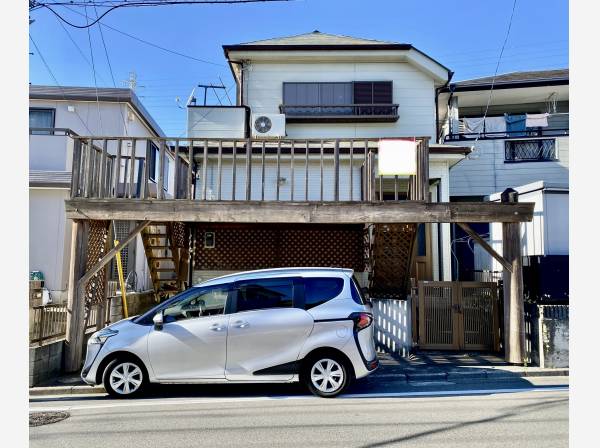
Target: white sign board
397 157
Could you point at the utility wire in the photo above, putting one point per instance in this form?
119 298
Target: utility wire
94 74
133 4
150 43
112 76
56 81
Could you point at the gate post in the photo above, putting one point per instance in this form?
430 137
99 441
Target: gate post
514 318
75 299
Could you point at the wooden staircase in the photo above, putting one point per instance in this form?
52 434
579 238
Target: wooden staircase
390 258
167 261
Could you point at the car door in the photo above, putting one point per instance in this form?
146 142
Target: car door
192 342
266 331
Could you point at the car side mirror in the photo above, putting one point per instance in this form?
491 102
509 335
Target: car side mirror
158 320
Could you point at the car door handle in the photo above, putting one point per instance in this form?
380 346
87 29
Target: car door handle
217 327
240 324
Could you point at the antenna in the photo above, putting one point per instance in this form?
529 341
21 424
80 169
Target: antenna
210 86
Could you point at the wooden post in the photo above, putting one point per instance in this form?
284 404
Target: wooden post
514 319
75 299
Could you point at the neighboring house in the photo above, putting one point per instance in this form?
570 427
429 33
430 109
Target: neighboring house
524 139
55 115
322 86
544 241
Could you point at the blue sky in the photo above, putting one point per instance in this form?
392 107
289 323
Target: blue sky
465 35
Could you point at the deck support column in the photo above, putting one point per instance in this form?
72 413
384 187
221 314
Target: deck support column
514 318
75 302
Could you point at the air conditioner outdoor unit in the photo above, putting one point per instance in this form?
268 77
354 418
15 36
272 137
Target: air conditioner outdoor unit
268 125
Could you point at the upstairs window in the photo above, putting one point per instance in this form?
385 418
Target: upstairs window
41 118
540 150
338 98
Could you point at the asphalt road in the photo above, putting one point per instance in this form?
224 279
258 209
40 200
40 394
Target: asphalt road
519 413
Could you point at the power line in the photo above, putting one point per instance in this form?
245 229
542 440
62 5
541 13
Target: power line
56 81
112 76
94 74
150 43
133 4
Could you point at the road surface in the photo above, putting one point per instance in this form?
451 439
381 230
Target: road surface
512 413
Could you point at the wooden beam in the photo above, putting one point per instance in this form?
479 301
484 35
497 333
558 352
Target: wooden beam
489 249
75 303
297 212
111 253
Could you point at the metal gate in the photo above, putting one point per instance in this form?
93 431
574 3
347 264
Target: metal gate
458 316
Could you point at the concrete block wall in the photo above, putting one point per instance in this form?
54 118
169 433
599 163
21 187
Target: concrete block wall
45 362
547 335
393 326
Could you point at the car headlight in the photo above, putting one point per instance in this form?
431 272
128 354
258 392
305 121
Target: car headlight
101 336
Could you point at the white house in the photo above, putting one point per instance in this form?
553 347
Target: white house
323 86
56 114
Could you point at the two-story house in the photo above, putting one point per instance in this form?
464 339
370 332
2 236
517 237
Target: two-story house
56 114
523 143
319 86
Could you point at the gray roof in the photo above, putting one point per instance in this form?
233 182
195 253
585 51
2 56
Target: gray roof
105 94
537 77
318 38
50 179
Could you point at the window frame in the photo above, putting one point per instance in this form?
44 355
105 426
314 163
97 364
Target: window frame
297 294
44 109
508 149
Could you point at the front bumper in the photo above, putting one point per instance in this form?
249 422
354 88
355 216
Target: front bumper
88 373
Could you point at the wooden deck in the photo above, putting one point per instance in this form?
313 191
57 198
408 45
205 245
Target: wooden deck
183 210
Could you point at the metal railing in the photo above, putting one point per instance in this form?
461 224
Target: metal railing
342 110
249 169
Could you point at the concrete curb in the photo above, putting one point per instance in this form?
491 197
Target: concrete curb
65 390
452 376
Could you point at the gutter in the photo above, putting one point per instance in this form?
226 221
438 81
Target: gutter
437 115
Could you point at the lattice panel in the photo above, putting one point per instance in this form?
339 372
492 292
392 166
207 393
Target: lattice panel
271 246
390 259
96 249
178 234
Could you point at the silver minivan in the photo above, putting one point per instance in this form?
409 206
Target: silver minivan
275 325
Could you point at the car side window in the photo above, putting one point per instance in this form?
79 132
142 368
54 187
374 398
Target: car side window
264 294
207 301
318 290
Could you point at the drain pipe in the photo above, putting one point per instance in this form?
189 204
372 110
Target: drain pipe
437 115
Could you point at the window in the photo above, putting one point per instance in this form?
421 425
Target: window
154 166
356 292
321 98
318 290
264 294
197 302
529 150
41 118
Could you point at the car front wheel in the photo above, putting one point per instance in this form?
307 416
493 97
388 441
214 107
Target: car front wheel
124 378
326 376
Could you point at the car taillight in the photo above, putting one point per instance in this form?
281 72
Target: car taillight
362 321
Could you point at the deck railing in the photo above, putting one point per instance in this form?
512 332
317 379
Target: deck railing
240 170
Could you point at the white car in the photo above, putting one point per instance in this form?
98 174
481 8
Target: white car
275 325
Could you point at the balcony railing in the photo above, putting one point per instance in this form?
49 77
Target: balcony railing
340 113
241 170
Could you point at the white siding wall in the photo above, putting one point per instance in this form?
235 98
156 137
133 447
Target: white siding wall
486 172
49 238
413 90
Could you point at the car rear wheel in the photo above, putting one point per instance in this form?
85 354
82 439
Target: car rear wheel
124 378
326 375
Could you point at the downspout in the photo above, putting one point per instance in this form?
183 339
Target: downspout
241 94
437 115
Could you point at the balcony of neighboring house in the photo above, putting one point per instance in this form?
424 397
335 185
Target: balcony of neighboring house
527 127
339 102
50 157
